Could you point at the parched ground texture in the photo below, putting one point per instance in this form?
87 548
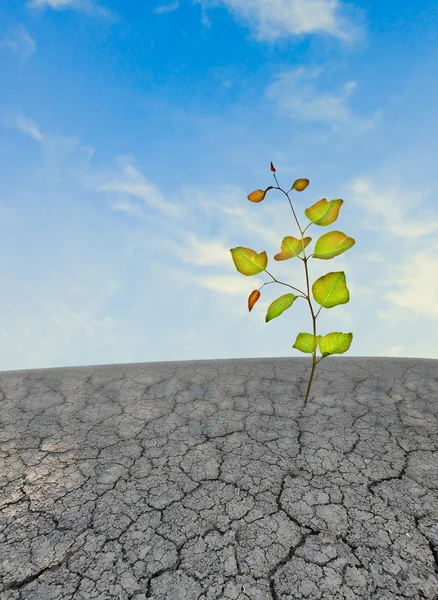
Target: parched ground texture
205 480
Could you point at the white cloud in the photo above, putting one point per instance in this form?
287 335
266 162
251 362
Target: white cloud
389 210
82 5
23 124
52 3
70 328
135 184
410 266
55 148
415 293
281 18
417 288
165 8
23 42
194 264
297 99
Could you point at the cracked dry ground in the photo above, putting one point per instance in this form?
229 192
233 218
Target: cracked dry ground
202 480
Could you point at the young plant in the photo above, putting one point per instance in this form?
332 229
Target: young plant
328 291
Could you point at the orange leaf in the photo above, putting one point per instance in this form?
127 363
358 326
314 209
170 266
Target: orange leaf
256 196
253 297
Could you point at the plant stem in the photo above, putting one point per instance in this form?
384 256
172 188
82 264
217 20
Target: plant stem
281 283
310 380
305 259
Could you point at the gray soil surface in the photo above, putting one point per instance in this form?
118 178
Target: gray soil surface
205 480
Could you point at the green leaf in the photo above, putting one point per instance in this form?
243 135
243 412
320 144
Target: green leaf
335 343
247 261
323 212
279 306
331 290
291 247
332 244
306 342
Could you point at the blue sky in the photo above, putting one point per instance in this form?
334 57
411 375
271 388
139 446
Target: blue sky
131 136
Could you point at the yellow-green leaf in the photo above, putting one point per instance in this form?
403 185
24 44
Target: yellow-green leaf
291 247
247 261
279 306
300 184
307 342
323 212
331 290
332 244
335 343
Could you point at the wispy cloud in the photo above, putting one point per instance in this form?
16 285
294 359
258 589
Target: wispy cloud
56 4
411 277
165 8
412 287
127 250
85 6
391 210
273 19
20 41
175 259
298 99
133 183
17 121
56 148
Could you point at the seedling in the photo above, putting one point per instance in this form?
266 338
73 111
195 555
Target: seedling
329 290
